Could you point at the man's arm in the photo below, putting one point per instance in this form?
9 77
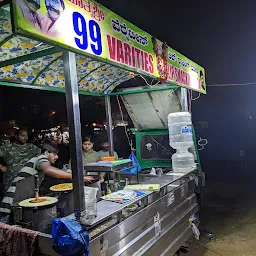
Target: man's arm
51 171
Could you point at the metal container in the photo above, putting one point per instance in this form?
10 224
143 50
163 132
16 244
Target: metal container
40 217
65 204
35 218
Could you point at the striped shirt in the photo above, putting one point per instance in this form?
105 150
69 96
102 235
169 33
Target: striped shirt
31 168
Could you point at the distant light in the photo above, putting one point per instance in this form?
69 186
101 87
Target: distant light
94 124
125 123
97 129
52 113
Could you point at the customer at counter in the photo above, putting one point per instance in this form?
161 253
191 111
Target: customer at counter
91 156
104 152
41 165
16 155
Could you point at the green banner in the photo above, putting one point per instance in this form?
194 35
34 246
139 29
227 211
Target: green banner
86 27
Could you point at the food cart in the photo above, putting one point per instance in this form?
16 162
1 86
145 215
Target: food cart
92 54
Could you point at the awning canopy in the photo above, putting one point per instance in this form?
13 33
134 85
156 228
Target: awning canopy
31 63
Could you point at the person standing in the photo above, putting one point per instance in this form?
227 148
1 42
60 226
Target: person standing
91 156
16 155
104 152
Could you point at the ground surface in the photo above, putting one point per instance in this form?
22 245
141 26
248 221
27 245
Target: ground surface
230 214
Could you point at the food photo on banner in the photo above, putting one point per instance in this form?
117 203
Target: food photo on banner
89 28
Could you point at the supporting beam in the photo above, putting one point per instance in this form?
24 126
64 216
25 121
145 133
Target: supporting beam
46 88
109 125
114 82
83 77
30 56
6 39
184 99
73 112
143 90
45 69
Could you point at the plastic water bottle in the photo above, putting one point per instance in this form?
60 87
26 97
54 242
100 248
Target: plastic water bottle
181 139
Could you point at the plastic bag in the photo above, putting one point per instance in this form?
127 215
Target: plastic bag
69 238
134 162
90 196
195 231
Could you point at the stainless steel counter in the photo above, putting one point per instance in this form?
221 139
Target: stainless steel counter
112 233
106 209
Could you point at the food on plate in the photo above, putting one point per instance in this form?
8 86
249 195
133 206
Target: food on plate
38 200
62 187
30 202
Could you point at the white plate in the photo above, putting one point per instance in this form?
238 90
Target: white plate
50 200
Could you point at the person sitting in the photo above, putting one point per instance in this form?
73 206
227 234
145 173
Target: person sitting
104 152
16 155
40 165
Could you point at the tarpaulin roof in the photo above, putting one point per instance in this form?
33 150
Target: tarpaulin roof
32 63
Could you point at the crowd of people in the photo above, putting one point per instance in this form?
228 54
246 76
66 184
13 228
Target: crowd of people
20 160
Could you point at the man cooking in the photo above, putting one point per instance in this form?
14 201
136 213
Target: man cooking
40 165
91 156
16 155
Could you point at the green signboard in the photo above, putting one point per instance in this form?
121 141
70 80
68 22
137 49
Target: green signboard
89 28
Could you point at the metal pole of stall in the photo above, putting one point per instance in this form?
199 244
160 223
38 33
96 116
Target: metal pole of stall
184 99
73 113
110 131
109 125
184 104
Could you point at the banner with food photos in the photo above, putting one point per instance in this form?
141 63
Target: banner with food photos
86 27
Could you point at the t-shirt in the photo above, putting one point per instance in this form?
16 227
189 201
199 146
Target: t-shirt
89 157
106 154
16 156
31 168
